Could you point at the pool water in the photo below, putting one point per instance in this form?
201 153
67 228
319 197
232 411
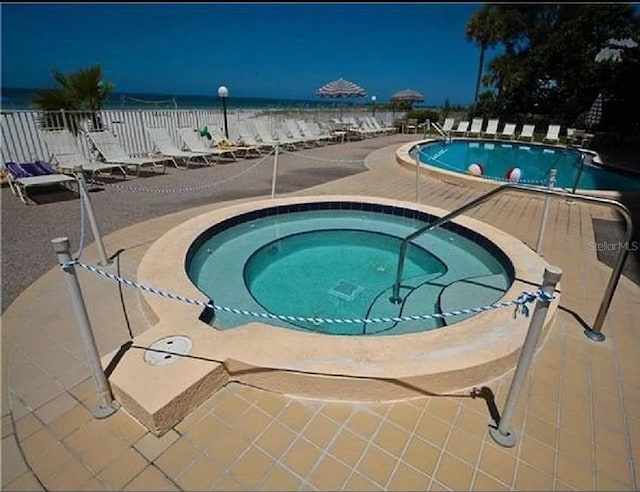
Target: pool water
535 162
342 263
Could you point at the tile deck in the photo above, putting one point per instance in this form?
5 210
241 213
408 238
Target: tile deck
577 421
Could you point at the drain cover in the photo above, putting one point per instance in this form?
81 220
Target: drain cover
161 352
346 290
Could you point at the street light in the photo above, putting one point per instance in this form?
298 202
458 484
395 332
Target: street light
223 92
373 104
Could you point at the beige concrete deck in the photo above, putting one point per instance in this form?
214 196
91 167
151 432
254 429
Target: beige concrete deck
578 420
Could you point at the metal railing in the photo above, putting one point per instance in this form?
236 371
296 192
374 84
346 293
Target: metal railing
441 131
594 333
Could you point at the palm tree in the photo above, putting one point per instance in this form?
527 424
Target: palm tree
484 28
82 90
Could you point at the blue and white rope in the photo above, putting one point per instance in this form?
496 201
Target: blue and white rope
521 301
142 189
81 245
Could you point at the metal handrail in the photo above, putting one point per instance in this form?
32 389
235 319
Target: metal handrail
440 130
593 333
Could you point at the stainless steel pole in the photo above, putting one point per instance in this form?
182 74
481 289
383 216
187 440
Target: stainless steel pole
104 260
502 434
106 404
545 211
417 177
275 173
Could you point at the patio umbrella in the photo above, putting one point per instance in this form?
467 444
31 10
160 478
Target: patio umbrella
408 95
595 112
341 88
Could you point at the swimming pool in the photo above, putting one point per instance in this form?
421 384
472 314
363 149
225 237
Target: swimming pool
339 260
534 161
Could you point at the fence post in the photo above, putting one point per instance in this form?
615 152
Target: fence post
545 211
275 173
82 185
106 404
502 433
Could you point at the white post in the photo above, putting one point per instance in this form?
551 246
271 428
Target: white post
275 173
545 211
82 187
417 159
106 404
502 433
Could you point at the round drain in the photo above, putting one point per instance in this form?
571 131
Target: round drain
167 350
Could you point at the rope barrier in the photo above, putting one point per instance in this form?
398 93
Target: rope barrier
142 189
521 302
323 159
81 245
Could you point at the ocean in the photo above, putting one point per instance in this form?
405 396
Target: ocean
18 98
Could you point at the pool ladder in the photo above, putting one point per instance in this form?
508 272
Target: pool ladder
440 130
594 333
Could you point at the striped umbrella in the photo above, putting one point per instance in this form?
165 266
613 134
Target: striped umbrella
341 88
408 95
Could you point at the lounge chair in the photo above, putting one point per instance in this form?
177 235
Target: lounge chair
249 136
294 130
447 126
269 139
527 132
66 155
492 128
21 177
218 140
193 143
553 134
309 130
108 146
381 126
476 127
162 141
508 131
463 126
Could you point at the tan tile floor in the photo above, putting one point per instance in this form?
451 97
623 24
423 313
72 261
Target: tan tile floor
578 419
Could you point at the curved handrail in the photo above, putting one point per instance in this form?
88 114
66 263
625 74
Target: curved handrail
595 332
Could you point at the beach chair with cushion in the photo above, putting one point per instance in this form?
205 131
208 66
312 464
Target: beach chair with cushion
163 143
476 127
238 147
21 177
66 155
492 128
108 146
192 142
508 131
553 134
463 126
527 132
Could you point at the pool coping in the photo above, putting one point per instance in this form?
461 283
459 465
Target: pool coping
404 159
378 368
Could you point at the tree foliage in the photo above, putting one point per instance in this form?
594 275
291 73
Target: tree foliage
549 62
82 91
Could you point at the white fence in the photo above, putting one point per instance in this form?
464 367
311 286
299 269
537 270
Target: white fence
21 140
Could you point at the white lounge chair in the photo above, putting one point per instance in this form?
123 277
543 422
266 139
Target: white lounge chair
249 136
239 148
476 127
294 131
447 126
508 131
66 155
553 134
463 126
492 128
270 139
192 142
21 177
312 130
162 141
108 146
527 132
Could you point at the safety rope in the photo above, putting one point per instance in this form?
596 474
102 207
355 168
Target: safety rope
521 302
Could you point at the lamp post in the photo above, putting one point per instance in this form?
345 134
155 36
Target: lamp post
373 105
223 92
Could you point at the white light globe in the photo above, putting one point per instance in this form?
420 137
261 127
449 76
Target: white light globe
223 91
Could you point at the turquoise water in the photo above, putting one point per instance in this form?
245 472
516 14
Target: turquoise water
534 161
342 264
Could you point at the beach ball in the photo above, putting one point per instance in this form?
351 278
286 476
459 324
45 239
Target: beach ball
475 169
514 174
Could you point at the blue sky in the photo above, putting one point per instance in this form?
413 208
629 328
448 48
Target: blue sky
255 49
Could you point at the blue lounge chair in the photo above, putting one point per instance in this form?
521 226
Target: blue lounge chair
26 175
